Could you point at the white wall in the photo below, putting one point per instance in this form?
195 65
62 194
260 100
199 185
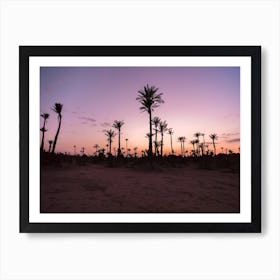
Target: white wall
138 256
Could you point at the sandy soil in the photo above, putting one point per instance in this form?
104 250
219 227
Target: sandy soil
95 188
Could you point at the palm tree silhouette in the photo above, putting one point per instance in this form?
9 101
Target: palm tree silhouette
83 151
182 139
96 147
162 129
57 108
118 125
156 122
196 141
149 99
126 139
197 134
201 146
50 145
135 151
171 132
193 143
110 134
45 116
214 137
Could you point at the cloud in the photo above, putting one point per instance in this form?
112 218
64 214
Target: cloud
92 120
233 140
228 135
105 124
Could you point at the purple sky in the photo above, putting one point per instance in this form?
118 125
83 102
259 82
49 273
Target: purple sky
197 99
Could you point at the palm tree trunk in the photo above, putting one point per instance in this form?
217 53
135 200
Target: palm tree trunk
156 143
150 136
42 143
56 135
172 152
119 148
43 136
214 147
110 146
161 144
50 146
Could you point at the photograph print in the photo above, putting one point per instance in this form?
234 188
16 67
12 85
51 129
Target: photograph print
125 140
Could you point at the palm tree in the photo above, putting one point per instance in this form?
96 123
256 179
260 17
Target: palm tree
156 122
171 132
135 151
45 116
196 141
149 99
96 147
110 134
74 149
197 134
182 139
162 129
201 146
126 139
118 125
193 142
50 145
83 151
57 108
214 137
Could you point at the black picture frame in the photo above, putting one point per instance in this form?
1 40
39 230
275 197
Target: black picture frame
254 52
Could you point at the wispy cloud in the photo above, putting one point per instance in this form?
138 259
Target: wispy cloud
233 140
105 124
228 135
88 119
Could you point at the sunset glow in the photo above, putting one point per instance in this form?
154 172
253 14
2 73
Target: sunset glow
196 99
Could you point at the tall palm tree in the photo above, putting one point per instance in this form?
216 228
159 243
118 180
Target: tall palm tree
118 125
193 143
196 141
197 134
162 129
74 149
110 134
156 122
50 145
182 139
45 116
171 132
57 108
214 137
149 99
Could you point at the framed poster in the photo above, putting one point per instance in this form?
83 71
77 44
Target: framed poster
140 138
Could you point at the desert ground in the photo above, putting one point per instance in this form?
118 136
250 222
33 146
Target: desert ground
98 188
